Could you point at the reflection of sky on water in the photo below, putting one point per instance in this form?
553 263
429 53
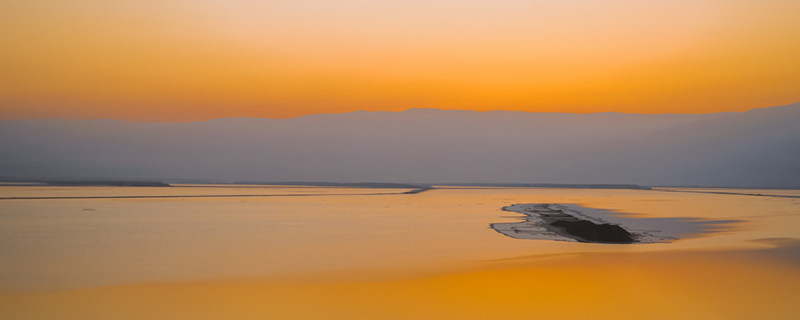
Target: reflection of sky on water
77 243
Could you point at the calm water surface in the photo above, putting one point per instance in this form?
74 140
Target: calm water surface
312 252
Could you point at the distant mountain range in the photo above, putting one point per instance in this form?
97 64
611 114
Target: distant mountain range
758 148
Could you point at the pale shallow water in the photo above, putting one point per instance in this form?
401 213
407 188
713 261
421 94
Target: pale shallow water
362 253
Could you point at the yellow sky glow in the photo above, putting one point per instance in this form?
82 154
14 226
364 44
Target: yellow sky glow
183 60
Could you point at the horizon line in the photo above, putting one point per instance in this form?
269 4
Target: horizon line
400 111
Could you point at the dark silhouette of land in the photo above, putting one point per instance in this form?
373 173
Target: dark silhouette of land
545 219
583 230
587 231
376 185
83 183
100 183
552 185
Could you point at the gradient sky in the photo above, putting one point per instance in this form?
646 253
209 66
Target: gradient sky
188 60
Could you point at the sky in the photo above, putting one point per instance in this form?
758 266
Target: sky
194 60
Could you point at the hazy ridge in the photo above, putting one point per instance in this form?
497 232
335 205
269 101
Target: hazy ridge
759 148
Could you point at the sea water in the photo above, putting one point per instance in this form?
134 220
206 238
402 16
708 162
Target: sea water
254 251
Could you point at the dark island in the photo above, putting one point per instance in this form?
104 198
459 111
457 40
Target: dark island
587 231
545 221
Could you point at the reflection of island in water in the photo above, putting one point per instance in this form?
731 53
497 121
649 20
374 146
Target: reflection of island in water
571 222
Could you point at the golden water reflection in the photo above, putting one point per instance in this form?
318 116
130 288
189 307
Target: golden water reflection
427 255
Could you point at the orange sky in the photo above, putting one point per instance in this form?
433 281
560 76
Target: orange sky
188 60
